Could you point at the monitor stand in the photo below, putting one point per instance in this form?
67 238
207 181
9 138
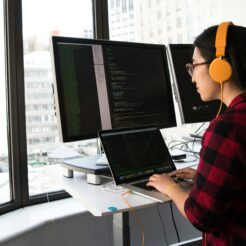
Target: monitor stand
94 166
87 165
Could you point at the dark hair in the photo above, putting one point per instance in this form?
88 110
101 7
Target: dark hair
235 49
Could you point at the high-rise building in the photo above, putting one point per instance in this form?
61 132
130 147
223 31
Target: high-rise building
173 21
122 20
180 21
41 122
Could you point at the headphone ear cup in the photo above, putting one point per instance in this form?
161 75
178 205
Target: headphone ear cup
220 70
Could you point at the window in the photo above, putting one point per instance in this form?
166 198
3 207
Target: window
178 6
168 10
124 6
189 19
179 38
131 7
38 78
150 3
169 26
179 22
4 156
189 3
111 4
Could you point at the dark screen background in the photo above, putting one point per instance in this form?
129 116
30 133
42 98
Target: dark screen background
78 92
194 109
139 86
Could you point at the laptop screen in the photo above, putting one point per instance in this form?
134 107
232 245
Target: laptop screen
136 153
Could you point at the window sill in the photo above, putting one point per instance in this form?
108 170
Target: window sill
26 219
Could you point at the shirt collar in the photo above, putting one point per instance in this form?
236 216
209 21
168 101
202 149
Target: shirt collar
238 99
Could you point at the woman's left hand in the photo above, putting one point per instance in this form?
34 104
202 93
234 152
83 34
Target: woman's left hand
160 182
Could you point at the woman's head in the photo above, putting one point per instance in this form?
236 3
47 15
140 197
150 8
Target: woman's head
204 50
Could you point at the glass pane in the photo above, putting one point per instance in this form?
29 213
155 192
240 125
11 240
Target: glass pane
41 20
169 21
153 21
4 162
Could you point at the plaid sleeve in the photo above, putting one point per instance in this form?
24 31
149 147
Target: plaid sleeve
220 175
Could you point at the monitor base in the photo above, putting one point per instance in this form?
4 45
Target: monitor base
86 165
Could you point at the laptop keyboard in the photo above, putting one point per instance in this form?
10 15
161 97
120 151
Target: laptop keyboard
149 188
143 185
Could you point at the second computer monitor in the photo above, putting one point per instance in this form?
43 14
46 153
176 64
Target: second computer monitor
192 108
106 84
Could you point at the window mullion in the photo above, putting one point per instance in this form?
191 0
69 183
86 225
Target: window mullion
100 16
17 129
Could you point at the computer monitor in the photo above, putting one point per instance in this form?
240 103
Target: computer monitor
192 108
107 84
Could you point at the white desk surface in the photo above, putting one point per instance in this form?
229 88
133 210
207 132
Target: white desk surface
96 199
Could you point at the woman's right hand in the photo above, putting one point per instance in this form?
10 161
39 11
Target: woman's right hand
185 173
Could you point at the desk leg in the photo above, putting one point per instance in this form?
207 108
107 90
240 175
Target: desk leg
121 230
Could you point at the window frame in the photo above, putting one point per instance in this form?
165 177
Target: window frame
18 171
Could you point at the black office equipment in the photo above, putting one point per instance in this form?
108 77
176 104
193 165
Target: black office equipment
136 153
107 84
192 108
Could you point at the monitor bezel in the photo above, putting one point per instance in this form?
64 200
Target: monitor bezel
61 39
184 118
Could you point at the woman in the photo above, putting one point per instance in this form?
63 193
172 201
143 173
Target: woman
217 203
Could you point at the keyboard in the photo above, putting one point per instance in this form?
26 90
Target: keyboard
143 185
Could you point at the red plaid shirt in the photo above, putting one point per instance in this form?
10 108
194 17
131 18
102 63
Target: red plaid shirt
217 203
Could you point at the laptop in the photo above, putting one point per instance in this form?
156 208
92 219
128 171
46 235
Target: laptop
134 154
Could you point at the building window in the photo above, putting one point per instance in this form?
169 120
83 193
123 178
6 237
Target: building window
179 38
189 19
178 6
111 4
124 6
189 3
169 26
131 7
168 10
179 23
117 3
150 3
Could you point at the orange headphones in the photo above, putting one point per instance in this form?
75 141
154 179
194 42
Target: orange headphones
220 69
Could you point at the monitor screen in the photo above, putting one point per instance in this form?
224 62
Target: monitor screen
107 84
192 108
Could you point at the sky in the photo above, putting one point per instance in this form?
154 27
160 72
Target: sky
42 16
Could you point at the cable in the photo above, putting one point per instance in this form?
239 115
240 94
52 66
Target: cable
188 149
200 127
221 99
163 225
135 215
174 223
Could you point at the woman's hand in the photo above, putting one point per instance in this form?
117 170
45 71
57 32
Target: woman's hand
185 173
167 186
161 182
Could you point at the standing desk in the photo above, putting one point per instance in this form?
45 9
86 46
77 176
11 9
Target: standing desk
99 201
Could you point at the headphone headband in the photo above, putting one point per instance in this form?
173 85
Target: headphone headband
221 35
220 69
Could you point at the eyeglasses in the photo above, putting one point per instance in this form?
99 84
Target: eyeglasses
191 67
